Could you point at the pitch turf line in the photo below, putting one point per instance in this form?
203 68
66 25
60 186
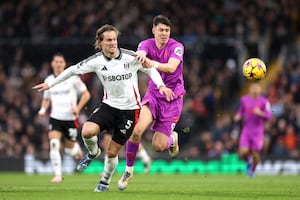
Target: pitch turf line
149 187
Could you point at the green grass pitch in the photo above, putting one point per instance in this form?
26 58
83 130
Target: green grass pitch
14 186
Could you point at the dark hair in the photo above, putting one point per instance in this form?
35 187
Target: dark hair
100 31
161 19
58 54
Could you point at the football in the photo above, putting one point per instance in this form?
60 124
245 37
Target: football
254 69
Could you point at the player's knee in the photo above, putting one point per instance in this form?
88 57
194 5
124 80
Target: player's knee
111 154
89 130
86 133
135 138
54 144
158 147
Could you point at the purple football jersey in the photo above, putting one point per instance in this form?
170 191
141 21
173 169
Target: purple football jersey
252 123
172 49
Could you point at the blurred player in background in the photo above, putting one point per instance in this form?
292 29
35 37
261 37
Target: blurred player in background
117 70
166 55
254 110
65 109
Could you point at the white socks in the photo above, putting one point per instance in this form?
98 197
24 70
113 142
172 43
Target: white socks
55 156
74 151
110 165
91 144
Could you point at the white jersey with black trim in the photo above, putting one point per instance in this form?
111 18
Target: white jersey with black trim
64 97
118 76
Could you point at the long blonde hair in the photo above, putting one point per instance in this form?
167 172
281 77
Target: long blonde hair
99 34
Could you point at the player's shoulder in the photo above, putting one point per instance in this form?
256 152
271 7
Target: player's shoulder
147 42
127 52
173 42
94 56
176 47
263 98
245 97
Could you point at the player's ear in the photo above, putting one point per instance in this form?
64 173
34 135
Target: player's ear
153 30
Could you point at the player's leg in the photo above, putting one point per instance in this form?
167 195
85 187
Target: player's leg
110 163
164 137
244 151
90 140
54 154
73 149
144 156
256 147
256 160
132 145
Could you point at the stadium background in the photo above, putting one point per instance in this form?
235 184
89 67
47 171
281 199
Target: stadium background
218 36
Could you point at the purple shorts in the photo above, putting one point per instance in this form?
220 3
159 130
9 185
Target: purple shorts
252 141
165 114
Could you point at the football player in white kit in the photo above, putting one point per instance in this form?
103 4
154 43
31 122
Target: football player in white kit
117 70
65 108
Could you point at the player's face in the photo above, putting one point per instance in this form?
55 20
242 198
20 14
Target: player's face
255 89
109 44
58 64
161 33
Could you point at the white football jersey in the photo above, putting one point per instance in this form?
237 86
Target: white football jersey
64 97
118 76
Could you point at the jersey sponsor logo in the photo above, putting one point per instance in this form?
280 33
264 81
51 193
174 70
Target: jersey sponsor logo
178 51
117 77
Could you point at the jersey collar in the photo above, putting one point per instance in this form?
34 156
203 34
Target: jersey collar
118 57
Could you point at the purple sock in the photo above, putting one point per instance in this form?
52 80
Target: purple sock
131 151
170 142
253 167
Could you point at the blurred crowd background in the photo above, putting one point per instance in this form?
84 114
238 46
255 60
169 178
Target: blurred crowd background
218 36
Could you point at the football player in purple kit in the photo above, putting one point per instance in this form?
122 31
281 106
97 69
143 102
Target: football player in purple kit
254 110
166 55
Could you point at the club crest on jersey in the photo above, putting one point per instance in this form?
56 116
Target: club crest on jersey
126 66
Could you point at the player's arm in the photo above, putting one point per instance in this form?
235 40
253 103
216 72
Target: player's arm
44 107
80 68
67 73
238 115
264 113
156 78
85 97
169 67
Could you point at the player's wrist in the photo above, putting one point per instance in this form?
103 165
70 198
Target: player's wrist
155 64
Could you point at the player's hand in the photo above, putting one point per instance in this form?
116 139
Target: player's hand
167 92
140 56
76 111
41 87
148 63
237 118
258 111
42 112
